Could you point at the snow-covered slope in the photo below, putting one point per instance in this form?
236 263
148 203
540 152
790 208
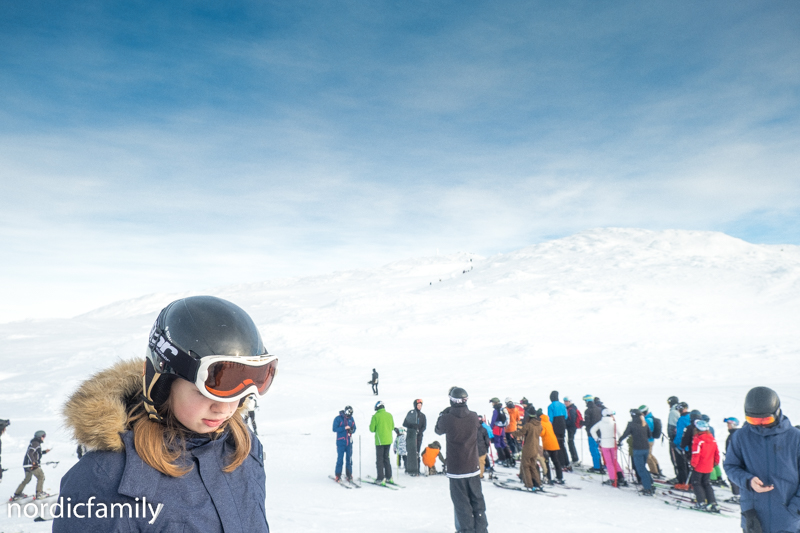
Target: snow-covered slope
632 316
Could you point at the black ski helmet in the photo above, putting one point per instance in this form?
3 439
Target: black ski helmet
348 410
199 326
695 415
672 400
635 414
762 402
458 396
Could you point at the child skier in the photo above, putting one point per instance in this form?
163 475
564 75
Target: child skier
3 425
705 456
173 433
32 464
429 456
400 448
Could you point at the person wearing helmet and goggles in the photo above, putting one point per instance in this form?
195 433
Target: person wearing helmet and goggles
763 459
344 426
151 432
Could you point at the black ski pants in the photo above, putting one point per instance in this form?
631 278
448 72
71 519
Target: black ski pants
562 452
382 462
470 508
573 451
681 467
553 456
702 487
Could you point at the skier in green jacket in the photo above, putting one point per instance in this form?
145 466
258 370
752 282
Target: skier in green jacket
382 424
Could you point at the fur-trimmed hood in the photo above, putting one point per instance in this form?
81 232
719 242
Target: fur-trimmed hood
97 413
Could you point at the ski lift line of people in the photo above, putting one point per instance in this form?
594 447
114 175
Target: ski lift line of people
696 442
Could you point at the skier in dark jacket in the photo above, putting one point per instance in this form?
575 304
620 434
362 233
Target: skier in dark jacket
557 412
639 432
763 458
592 416
572 428
344 425
733 427
32 464
679 453
483 447
374 382
3 425
461 425
416 423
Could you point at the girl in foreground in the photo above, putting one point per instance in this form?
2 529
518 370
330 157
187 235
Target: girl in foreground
168 448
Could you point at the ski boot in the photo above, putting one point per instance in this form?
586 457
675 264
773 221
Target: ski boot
699 506
41 495
559 482
16 497
712 508
338 478
390 481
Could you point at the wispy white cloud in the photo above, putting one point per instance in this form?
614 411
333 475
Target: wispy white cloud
153 153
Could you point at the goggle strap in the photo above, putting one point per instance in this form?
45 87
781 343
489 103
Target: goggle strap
171 358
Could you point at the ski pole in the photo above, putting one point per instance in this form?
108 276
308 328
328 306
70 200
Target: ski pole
359 458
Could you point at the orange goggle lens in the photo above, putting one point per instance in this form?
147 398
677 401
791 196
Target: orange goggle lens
765 421
226 379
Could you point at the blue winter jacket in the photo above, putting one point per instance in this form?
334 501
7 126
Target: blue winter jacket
556 409
649 419
683 423
206 500
339 425
772 455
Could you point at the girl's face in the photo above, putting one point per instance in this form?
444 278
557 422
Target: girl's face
196 412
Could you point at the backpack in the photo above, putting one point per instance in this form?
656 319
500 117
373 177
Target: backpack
656 428
501 417
578 419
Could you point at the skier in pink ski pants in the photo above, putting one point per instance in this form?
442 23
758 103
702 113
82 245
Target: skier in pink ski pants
605 433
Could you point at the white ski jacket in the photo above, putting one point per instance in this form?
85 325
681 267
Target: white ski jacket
605 431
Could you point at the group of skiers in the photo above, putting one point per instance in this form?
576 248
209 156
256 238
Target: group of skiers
762 458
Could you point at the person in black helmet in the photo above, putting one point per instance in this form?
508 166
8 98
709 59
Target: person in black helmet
344 426
3 425
170 429
32 464
460 425
763 459
374 382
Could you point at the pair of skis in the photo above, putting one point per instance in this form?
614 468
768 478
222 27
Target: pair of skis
522 488
346 484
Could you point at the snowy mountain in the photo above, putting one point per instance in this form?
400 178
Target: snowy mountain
629 315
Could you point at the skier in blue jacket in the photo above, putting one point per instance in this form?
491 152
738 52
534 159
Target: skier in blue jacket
681 464
763 458
344 425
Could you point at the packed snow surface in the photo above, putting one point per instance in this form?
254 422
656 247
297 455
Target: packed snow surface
631 316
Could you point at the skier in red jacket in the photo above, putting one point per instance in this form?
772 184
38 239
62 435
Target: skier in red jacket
705 456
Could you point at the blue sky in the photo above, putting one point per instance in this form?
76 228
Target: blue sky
167 146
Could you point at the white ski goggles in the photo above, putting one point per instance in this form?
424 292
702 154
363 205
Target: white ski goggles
228 378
